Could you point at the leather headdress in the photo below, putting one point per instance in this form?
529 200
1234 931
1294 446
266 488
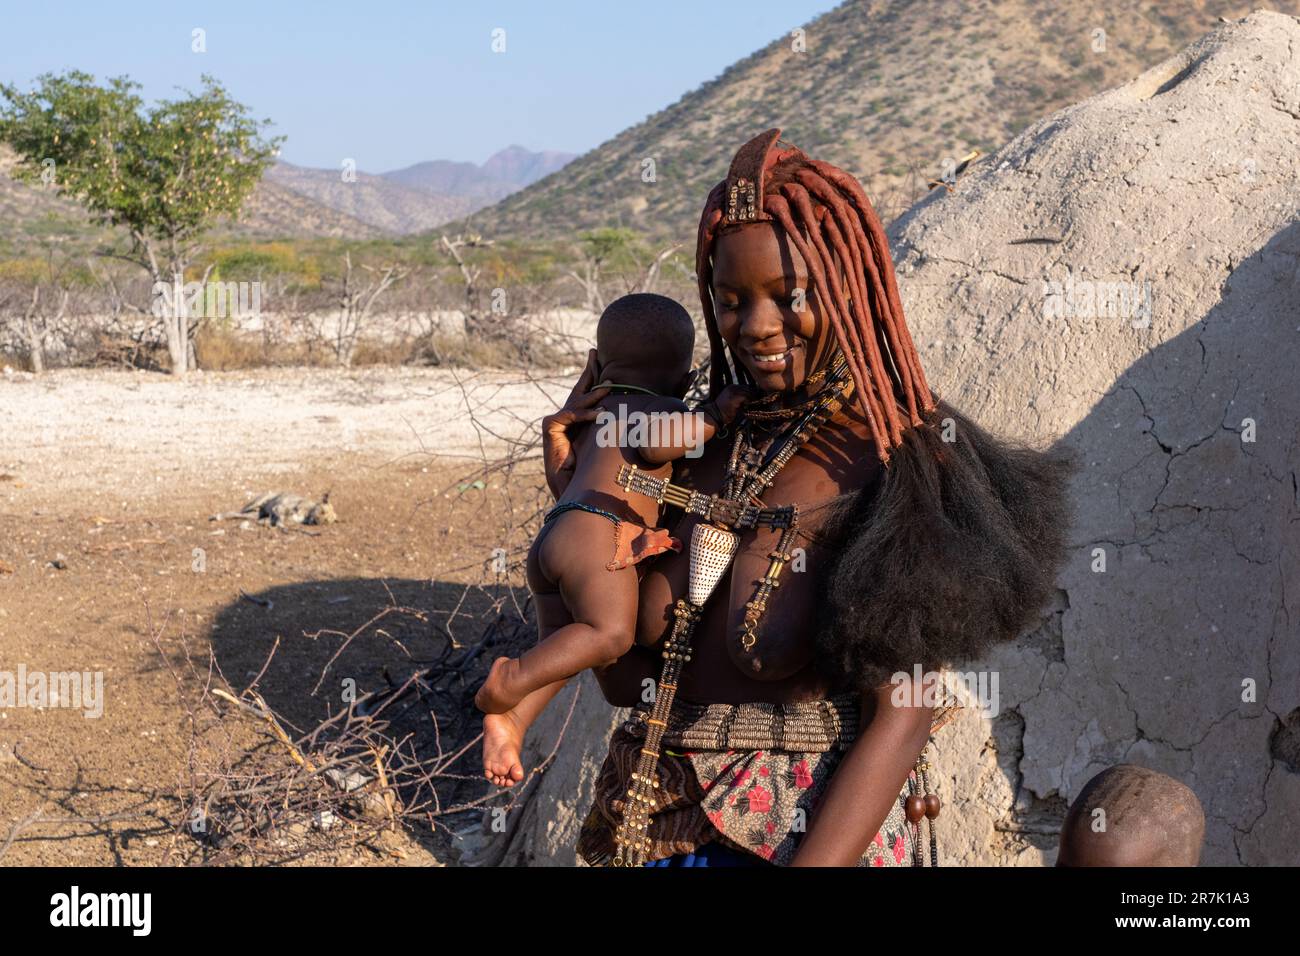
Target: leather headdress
745 179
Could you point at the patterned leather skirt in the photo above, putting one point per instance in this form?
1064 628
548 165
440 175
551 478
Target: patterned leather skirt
747 776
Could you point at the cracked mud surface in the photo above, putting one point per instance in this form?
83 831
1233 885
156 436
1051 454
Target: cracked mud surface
1187 432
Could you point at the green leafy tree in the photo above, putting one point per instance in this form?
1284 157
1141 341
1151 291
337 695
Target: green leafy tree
165 173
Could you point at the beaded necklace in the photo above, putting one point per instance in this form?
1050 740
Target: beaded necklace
751 470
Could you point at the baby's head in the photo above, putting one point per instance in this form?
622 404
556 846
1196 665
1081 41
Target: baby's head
645 340
1146 819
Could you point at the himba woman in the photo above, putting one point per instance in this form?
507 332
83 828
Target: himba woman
848 527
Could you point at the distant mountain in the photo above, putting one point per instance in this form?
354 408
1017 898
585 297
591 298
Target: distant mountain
442 177
501 174
887 89
521 167
384 205
276 212
422 196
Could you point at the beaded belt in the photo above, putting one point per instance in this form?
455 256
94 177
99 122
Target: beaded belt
815 726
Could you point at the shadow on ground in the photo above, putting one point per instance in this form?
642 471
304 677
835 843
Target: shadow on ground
309 646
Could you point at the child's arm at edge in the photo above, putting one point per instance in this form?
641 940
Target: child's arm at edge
698 426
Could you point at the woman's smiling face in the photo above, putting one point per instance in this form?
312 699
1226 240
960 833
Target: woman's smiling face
766 312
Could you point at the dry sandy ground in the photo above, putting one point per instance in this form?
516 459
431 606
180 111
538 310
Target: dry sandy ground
131 437
107 480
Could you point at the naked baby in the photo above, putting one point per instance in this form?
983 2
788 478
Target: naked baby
582 567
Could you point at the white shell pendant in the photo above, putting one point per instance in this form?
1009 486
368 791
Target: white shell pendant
711 552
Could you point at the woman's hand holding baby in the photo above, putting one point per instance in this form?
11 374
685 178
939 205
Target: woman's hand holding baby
581 407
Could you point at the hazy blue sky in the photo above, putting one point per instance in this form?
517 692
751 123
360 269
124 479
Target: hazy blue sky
390 84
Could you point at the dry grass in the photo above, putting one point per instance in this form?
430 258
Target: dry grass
223 350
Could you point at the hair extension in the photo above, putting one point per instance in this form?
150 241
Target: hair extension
953 549
954 546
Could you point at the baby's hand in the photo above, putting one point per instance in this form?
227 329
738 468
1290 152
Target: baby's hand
731 399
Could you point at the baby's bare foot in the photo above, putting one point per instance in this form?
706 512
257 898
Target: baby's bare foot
498 694
503 737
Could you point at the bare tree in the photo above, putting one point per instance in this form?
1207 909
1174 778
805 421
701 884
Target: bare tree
589 280
37 320
595 249
354 297
603 250
476 322
650 275
36 298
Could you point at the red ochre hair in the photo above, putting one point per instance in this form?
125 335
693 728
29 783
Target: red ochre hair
827 216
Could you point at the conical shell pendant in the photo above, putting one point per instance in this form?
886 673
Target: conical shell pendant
712 549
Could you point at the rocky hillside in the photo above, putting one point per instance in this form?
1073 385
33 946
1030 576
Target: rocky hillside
274 211
888 89
25 210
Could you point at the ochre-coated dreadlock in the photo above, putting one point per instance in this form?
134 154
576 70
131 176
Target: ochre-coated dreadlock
828 218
